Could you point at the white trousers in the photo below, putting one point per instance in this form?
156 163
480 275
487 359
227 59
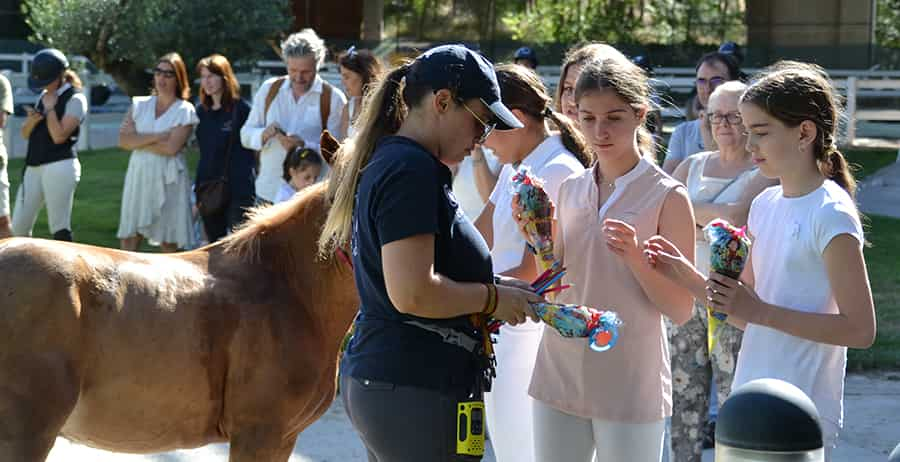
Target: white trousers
565 437
4 181
53 184
508 406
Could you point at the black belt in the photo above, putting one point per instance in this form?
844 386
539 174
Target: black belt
451 336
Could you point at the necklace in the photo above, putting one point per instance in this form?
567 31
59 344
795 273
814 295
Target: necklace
601 181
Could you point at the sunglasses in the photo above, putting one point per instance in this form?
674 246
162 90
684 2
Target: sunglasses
716 118
164 72
712 83
488 127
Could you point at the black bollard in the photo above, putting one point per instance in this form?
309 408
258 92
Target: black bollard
768 420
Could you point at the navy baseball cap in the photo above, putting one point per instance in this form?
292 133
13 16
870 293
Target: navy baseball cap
467 74
526 53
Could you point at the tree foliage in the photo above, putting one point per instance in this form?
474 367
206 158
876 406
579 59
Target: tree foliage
887 23
627 21
125 37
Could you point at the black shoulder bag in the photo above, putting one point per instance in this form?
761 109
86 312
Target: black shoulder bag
213 195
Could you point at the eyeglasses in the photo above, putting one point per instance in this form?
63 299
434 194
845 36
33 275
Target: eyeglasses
716 118
712 83
164 72
488 127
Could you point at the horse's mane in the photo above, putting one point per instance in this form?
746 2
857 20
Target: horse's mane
263 221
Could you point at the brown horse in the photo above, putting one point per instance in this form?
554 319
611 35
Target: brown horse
142 353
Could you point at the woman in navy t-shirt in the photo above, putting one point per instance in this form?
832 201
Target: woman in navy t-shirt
422 269
222 113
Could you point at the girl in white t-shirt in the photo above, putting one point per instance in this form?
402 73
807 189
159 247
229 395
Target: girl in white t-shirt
804 296
552 158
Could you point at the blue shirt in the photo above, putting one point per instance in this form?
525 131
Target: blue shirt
213 134
405 191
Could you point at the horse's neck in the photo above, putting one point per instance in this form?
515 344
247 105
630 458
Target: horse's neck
325 283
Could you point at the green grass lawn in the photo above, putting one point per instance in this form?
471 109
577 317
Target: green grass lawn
98 198
95 219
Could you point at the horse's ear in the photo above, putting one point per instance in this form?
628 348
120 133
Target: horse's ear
329 146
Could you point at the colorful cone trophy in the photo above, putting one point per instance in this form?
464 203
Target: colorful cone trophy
600 327
729 249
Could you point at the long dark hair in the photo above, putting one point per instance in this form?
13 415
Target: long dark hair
522 89
231 89
793 92
364 63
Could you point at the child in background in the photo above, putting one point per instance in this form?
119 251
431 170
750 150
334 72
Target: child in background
301 168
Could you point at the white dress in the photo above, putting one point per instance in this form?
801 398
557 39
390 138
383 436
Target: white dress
156 198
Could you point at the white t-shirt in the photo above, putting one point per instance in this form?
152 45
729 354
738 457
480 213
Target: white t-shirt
549 161
285 192
685 141
791 234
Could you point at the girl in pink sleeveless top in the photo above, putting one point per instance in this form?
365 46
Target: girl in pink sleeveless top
613 402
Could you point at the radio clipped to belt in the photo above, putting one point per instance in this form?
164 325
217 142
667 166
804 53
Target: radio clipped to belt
470 428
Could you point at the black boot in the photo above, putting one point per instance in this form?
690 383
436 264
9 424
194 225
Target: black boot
63 235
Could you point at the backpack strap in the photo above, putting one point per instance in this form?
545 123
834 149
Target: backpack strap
270 96
325 104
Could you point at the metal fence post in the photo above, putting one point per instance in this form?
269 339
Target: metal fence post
851 110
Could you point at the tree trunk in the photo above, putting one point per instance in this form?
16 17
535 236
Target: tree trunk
373 20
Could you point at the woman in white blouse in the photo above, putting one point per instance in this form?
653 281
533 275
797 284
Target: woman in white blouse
156 201
553 158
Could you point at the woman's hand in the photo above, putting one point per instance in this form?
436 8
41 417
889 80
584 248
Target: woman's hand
621 238
514 304
663 256
49 99
128 127
522 222
732 297
513 282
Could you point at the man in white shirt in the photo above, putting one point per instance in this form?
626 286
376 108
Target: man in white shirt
287 111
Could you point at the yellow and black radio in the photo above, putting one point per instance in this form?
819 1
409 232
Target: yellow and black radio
470 428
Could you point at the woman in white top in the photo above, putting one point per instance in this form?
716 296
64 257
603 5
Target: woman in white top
804 296
721 184
156 198
359 69
552 158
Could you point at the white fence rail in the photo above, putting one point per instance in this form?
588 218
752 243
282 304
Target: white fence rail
676 81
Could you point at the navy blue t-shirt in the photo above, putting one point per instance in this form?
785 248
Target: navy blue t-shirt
405 191
213 132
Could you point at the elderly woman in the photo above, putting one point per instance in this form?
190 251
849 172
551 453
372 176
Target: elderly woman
713 69
156 198
721 184
291 111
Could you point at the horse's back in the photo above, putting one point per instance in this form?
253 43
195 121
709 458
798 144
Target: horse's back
137 328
